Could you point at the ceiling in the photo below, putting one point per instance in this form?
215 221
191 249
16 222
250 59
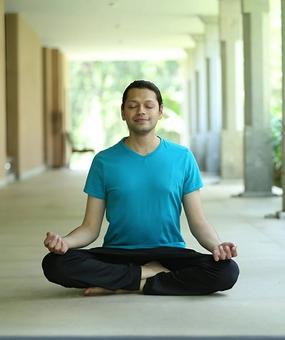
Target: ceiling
117 29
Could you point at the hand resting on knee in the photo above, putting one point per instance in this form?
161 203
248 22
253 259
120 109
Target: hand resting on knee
55 243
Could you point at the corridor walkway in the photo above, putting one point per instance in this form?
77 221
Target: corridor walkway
29 305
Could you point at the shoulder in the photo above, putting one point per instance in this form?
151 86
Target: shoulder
176 148
107 153
105 157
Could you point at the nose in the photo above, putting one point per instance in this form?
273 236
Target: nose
141 109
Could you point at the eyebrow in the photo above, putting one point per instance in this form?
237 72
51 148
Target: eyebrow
135 101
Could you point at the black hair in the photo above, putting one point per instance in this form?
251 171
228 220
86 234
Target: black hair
142 84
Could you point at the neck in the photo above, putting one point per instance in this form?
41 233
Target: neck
143 144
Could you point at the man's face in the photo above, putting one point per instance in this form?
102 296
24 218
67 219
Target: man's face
141 111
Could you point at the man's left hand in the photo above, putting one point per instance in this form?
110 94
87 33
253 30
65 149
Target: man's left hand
224 251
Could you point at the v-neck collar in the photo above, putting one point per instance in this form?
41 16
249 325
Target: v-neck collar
126 147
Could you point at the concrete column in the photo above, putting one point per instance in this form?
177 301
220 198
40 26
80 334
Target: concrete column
230 24
257 138
2 98
213 93
199 138
54 99
283 110
47 106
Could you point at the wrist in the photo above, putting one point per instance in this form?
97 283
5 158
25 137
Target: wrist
214 245
66 240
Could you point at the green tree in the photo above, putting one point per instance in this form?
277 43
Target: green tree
96 89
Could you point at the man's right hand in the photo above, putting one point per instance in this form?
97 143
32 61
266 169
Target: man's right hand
55 243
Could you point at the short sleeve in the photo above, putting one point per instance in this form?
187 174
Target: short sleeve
192 177
94 185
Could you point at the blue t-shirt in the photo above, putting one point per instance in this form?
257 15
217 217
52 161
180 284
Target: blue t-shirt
143 194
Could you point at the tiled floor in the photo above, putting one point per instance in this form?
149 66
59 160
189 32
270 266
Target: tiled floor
29 305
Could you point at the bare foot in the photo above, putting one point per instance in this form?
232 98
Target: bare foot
152 268
143 281
103 291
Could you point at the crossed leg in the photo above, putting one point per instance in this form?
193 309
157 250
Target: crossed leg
155 272
148 270
83 269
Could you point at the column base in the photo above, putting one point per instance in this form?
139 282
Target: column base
257 194
280 215
32 172
3 183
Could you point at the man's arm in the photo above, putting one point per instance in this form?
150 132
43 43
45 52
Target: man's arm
83 235
203 231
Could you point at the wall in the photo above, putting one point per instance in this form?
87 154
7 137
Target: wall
24 97
2 97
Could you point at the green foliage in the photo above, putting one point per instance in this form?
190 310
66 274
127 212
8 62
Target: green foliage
172 104
276 87
96 90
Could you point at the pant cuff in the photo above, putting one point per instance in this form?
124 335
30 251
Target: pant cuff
136 279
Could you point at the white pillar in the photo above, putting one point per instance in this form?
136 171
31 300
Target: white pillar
283 96
257 138
213 93
199 138
230 21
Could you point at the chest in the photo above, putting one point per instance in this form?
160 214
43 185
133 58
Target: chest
152 176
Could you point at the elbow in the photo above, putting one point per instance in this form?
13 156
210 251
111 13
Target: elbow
91 229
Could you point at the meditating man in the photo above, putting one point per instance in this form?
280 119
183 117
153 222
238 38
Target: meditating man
142 183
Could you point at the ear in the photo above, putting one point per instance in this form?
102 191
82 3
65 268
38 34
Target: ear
122 113
160 111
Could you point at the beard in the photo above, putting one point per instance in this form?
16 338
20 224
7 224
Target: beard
140 130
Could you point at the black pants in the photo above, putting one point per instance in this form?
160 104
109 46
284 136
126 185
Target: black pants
191 273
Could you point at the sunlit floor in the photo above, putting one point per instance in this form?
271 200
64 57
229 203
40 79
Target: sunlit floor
29 305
